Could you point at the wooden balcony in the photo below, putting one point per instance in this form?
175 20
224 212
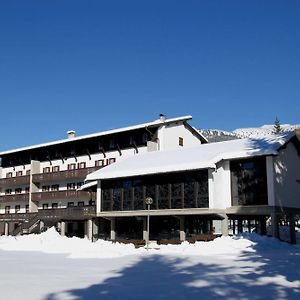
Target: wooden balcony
63 195
16 217
14 181
69 213
15 198
63 175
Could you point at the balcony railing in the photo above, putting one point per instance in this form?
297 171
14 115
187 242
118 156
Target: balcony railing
54 214
14 181
63 175
16 217
15 198
63 195
69 213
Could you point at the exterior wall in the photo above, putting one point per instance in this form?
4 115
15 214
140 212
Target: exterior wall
221 187
287 177
168 136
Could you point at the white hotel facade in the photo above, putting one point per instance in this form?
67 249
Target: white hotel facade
95 185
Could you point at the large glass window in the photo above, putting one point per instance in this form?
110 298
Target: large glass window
169 191
249 181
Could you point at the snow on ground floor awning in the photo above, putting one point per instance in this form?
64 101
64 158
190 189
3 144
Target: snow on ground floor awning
87 185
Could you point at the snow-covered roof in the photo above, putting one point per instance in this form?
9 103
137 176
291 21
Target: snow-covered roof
193 158
98 134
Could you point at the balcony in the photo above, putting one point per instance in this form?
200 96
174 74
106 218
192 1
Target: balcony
69 213
63 195
14 181
63 175
15 198
17 217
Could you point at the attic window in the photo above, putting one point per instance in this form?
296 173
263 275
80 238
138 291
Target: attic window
180 141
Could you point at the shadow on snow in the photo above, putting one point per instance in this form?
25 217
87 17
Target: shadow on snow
262 274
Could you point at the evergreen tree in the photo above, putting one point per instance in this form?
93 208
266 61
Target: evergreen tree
277 127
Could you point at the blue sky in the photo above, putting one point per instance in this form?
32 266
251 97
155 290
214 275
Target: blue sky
96 65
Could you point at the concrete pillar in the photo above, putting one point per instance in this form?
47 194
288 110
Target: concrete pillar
89 229
6 228
42 224
275 227
182 234
224 226
113 229
98 197
292 230
62 228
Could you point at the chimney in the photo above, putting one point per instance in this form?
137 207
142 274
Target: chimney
162 117
71 134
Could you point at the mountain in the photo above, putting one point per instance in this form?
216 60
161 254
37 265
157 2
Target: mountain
217 135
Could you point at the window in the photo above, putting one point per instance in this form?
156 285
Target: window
45 206
8 191
111 160
46 170
9 175
18 191
27 189
79 184
27 208
55 169
81 203
71 186
180 141
111 143
131 140
70 204
17 208
54 205
19 173
54 187
45 188
27 172
7 209
81 165
145 137
99 163
71 166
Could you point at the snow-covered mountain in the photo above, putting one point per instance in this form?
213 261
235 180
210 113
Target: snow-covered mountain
217 135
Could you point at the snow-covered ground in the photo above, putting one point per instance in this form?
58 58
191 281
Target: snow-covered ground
51 267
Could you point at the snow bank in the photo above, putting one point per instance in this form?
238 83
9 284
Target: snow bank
52 242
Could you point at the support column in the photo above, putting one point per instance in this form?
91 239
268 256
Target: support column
275 227
6 228
62 228
145 232
182 229
224 226
113 229
89 229
292 230
42 224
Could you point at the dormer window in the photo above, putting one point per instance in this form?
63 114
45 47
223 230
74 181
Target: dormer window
81 165
71 166
46 170
9 175
55 169
19 173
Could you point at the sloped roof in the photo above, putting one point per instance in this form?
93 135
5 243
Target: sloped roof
199 157
99 134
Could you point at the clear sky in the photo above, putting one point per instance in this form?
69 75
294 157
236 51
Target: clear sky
96 65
